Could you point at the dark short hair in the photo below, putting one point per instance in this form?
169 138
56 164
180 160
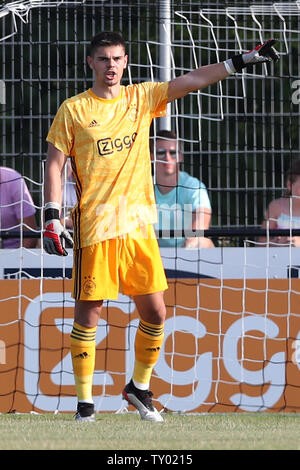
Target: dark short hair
105 39
165 135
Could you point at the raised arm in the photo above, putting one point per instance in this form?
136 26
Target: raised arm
209 74
196 80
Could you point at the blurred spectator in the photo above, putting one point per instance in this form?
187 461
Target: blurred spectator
16 208
284 212
69 198
182 200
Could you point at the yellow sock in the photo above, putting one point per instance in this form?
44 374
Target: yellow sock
148 341
83 351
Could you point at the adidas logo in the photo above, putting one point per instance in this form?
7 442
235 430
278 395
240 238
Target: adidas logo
83 355
94 123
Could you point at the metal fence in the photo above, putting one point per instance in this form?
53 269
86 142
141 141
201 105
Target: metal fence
239 136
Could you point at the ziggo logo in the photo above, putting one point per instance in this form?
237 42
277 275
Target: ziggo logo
200 375
107 146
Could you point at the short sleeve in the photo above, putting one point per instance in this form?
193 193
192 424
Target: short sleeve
200 198
61 133
194 192
157 94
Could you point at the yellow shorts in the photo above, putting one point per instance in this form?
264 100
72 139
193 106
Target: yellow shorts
129 264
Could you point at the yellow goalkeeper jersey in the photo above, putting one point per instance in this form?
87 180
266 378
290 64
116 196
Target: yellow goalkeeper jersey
108 141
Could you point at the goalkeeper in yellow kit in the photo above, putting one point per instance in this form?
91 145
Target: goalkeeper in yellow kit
105 133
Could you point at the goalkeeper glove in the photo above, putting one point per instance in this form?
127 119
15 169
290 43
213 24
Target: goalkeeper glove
55 232
263 53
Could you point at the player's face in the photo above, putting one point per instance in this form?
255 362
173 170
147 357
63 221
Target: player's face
167 156
108 64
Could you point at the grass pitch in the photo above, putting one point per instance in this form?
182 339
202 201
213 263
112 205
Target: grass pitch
257 431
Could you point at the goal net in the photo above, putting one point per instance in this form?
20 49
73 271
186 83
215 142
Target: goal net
231 334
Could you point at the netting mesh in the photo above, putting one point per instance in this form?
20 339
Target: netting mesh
231 331
248 129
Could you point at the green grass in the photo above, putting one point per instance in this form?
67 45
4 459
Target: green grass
259 431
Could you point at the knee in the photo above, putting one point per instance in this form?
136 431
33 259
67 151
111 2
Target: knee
156 314
161 313
87 314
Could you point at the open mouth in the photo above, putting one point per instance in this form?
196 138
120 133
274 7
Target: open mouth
110 75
